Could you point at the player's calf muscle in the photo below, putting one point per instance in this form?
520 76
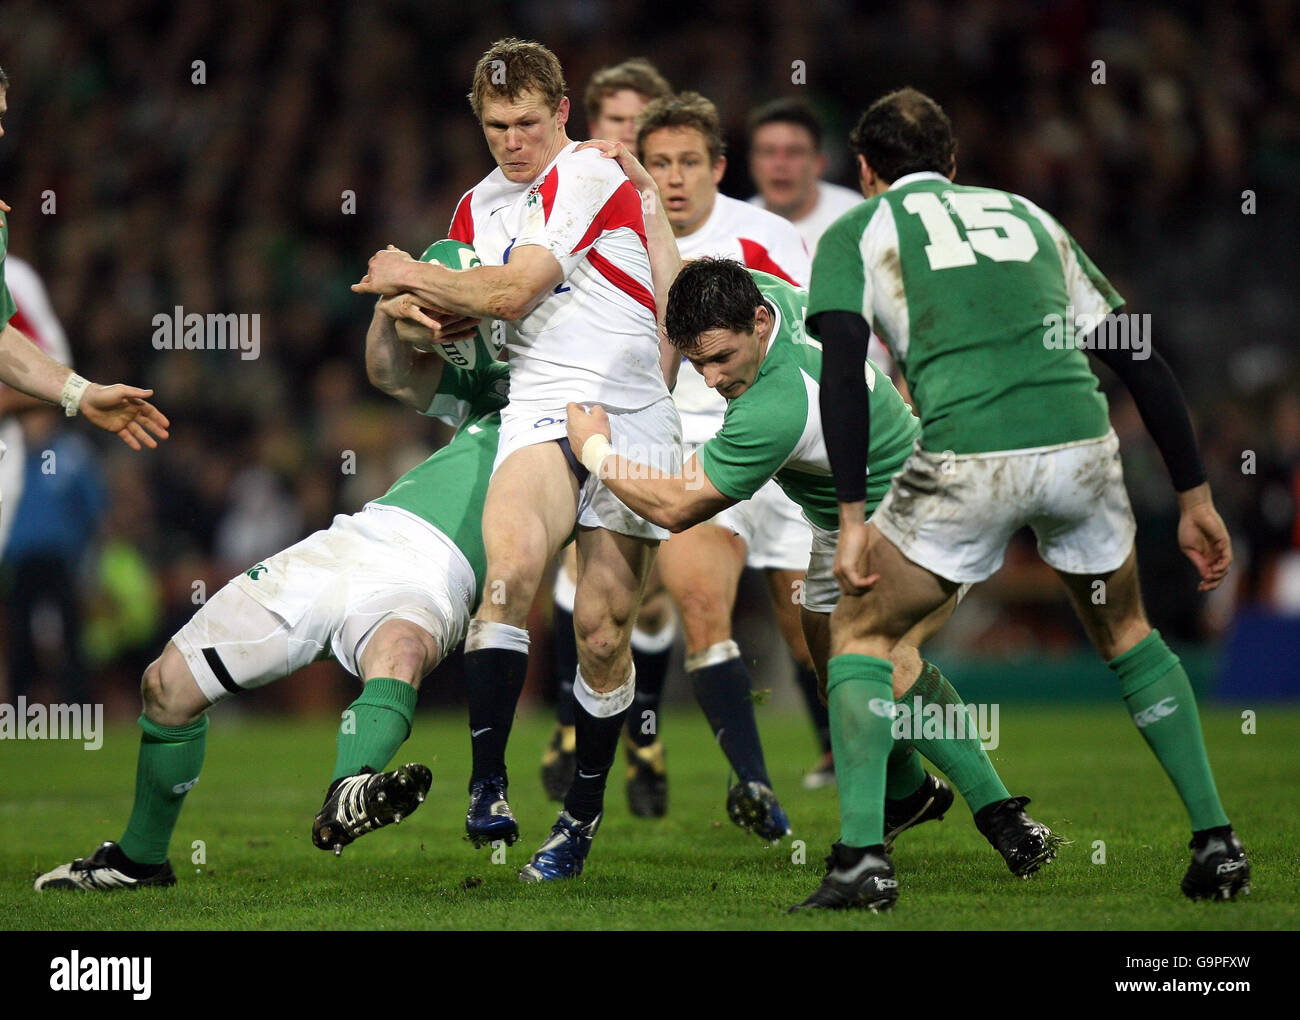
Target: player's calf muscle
705 609
1118 621
655 609
702 577
782 585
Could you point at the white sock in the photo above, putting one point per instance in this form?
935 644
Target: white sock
602 706
486 634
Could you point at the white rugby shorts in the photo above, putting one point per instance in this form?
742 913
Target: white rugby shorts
954 514
821 591
327 595
651 435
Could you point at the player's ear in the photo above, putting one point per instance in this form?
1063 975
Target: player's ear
866 177
719 168
562 112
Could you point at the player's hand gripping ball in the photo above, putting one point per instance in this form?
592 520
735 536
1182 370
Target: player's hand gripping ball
467 349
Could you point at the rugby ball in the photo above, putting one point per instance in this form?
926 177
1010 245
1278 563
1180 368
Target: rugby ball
488 339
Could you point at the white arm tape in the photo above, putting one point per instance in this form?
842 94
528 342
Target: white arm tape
70 398
594 452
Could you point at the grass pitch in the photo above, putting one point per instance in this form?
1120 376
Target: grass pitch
1089 773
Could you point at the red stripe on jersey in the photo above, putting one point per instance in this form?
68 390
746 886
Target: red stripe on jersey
756 257
547 191
621 280
622 209
24 324
462 224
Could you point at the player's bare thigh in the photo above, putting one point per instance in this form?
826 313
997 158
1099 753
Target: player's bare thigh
1112 612
701 568
904 596
784 586
531 504
612 570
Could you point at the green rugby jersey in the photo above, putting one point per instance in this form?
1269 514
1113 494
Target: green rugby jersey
449 488
774 429
963 283
7 308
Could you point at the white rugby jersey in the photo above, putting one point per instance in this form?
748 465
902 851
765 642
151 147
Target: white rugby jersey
761 240
833 202
593 340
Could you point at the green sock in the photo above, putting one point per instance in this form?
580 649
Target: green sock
860 690
964 759
1160 699
904 772
168 765
374 726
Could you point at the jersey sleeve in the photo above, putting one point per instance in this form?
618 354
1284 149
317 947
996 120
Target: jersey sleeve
464 393
7 307
462 222
791 254
1087 288
757 438
580 200
781 253
840 282
34 312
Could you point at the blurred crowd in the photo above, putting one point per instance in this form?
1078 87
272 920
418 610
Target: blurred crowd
249 158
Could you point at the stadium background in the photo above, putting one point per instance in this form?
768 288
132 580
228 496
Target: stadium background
227 197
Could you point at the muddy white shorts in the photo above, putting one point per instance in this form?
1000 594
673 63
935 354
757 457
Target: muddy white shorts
652 435
821 591
955 514
326 596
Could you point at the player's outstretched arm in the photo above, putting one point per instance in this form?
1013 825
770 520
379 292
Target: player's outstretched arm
393 365
120 409
1201 531
487 292
675 502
